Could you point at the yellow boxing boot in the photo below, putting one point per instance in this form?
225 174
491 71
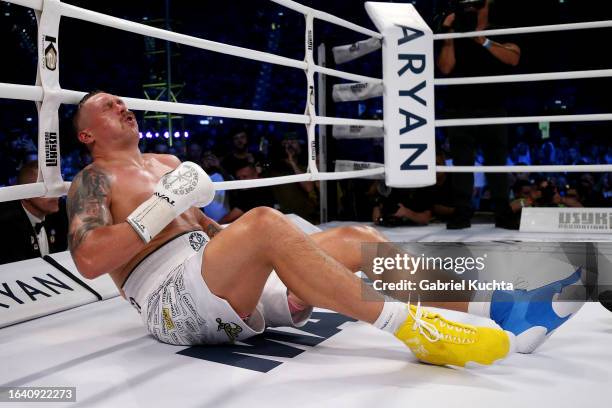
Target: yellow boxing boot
436 340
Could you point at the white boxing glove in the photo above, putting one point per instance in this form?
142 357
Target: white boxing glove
186 186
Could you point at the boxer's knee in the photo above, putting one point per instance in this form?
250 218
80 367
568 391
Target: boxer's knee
360 233
264 222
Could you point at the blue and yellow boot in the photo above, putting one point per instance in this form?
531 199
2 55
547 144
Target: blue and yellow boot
436 340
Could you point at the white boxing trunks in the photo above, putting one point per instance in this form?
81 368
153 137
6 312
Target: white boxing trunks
177 307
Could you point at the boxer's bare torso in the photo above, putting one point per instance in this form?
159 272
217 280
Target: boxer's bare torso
107 191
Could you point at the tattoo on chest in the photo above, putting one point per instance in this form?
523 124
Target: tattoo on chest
88 205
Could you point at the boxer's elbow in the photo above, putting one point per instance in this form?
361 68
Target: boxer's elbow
88 266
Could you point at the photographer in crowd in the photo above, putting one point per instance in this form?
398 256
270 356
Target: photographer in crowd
467 57
412 206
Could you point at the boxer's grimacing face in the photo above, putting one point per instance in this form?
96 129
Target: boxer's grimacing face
104 119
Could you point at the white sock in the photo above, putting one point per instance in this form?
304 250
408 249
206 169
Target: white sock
480 305
480 309
392 316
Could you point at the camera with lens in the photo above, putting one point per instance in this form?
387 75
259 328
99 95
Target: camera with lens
387 218
466 14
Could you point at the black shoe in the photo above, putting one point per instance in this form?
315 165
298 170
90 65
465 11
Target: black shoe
510 223
461 219
506 219
605 298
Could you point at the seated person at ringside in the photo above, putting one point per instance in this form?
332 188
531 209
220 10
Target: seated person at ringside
32 227
241 201
413 206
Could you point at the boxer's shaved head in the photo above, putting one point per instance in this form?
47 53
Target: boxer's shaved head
76 119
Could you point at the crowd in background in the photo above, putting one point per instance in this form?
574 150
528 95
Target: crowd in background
255 152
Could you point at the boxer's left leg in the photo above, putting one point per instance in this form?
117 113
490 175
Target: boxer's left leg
344 244
527 314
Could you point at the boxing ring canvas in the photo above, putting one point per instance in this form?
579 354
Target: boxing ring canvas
97 343
102 349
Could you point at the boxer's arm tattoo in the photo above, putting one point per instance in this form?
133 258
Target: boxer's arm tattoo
212 229
88 205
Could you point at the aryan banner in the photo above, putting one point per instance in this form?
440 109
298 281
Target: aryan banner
408 74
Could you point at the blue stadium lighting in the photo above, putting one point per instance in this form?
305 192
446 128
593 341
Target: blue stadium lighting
149 135
166 135
177 134
156 135
204 122
186 134
140 133
28 119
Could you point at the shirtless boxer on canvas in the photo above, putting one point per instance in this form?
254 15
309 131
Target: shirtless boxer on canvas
135 217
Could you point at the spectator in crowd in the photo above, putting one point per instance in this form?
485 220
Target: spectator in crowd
587 192
574 156
605 186
161 148
32 227
219 207
288 158
239 153
472 57
73 162
549 196
241 201
525 195
14 150
194 152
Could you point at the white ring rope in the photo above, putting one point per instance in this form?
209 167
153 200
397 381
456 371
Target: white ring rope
343 75
22 191
319 176
145 30
544 76
595 117
526 30
94 17
35 93
526 169
321 15
323 120
21 92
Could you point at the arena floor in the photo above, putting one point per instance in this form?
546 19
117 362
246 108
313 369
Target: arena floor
102 349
